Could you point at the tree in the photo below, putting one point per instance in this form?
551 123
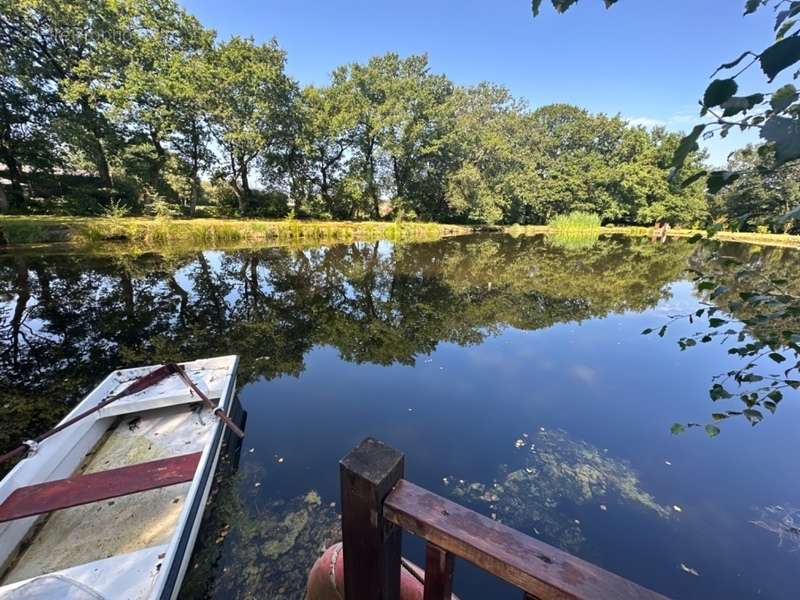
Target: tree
326 135
766 333
775 114
160 94
25 119
482 187
79 50
251 99
761 196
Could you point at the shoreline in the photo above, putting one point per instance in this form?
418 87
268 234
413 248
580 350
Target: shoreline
32 232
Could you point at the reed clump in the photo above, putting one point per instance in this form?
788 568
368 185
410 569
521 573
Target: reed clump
575 222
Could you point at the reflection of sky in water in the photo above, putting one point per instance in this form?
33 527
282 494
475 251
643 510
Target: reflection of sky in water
459 410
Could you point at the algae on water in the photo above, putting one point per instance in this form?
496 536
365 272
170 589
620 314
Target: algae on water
552 472
783 521
252 549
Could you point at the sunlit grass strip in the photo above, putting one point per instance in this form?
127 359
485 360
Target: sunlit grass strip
575 221
156 232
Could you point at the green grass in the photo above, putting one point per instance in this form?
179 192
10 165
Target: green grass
147 233
156 232
575 222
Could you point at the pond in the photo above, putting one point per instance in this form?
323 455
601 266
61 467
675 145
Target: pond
511 371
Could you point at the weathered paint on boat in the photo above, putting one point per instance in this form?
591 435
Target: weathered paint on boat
135 546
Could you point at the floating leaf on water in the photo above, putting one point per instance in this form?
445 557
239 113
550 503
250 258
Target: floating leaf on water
603 507
689 570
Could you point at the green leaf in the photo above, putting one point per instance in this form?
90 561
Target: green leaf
752 6
719 416
787 25
690 180
716 322
535 6
706 285
783 97
751 378
784 133
781 55
778 358
677 428
737 104
647 331
562 5
662 331
712 430
717 392
686 147
775 395
719 179
719 91
754 416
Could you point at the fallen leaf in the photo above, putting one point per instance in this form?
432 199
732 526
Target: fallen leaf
689 570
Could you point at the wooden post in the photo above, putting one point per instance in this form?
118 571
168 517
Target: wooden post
438 573
371 545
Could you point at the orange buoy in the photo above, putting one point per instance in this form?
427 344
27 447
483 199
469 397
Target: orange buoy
326 579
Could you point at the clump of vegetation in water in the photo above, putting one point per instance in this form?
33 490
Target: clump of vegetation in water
575 221
250 549
555 472
784 522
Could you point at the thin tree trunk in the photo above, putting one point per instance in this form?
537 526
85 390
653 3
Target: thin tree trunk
4 206
158 164
23 289
98 148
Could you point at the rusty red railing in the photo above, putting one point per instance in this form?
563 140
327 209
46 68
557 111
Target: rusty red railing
378 504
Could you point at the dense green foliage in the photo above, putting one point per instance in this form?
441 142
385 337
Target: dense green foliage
774 114
762 308
760 196
134 107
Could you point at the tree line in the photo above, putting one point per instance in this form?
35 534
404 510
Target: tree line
134 107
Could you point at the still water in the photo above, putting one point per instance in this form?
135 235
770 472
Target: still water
510 371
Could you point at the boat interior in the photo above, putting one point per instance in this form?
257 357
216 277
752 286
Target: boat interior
130 534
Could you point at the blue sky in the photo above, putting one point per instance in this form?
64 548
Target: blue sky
648 60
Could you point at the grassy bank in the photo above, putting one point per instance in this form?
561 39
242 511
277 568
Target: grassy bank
150 232
763 239
16 230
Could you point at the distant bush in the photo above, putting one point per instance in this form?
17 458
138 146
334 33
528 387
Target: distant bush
271 204
575 221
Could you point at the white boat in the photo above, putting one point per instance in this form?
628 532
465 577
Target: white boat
134 537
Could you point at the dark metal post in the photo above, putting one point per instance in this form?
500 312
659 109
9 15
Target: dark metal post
371 545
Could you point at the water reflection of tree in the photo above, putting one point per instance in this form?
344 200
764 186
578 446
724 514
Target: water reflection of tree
67 320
